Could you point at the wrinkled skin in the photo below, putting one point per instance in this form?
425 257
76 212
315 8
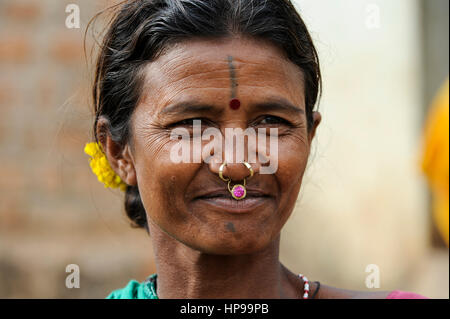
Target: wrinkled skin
203 250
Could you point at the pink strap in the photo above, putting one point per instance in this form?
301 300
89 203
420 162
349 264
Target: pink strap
398 294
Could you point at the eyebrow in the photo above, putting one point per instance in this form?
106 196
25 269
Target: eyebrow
276 104
191 107
271 104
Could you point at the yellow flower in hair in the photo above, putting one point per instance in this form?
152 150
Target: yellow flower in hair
100 167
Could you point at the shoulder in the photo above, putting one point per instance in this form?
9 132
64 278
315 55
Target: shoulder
127 292
328 292
134 290
398 294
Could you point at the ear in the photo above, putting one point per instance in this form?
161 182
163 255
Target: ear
317 118
119 157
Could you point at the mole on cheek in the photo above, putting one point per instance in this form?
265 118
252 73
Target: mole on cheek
230 227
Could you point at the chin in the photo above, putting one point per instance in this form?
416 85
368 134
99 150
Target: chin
235 244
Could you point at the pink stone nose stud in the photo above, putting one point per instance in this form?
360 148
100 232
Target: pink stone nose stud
238 191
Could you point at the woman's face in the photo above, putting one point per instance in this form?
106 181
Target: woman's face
188 201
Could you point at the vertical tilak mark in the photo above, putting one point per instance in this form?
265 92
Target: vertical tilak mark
232 76
234 103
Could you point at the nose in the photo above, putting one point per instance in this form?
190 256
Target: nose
234 168
234 171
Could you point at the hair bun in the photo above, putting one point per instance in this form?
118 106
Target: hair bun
134 207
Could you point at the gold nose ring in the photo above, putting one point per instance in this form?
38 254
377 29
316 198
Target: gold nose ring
238 191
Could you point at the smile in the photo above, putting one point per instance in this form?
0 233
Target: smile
222 200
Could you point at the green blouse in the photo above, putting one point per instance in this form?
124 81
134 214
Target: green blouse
147 290
136 290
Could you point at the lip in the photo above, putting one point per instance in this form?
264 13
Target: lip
223 201
221 192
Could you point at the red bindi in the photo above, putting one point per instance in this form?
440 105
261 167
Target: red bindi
235 104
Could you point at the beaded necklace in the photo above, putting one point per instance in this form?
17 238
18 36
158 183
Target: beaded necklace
150 287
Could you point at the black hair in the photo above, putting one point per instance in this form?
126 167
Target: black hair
141 30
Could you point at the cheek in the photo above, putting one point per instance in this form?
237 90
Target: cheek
293 157
161 182
292 160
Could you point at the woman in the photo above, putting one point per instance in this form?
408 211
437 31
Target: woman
215 224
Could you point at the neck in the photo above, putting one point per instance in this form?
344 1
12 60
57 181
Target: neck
186 273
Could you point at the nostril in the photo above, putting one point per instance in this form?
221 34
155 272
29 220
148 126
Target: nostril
236 171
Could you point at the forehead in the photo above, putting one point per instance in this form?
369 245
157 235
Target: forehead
200 69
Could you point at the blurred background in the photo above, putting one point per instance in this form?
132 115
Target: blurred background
368 197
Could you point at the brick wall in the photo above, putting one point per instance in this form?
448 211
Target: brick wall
53 212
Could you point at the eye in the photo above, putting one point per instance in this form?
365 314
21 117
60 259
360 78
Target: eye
273 120
189 122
